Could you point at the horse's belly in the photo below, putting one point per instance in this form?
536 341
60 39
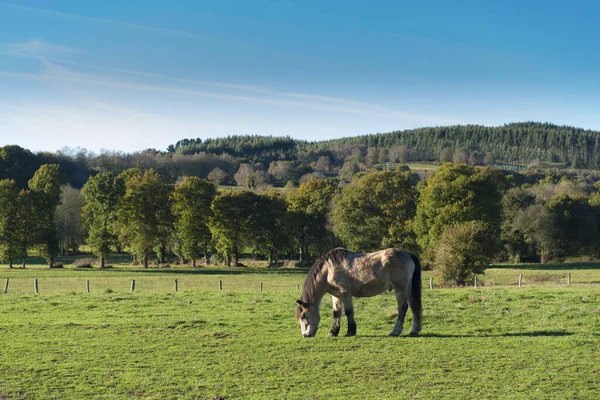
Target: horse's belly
372 289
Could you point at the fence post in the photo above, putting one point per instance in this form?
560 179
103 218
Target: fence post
176 285
475 281
132 285
569 279
87 286
5 286
520 280
430 283
35 286
261 286
220 284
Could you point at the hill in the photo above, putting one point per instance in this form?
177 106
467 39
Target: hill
511 143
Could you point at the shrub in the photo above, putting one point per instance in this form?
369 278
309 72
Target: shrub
464 250
82 262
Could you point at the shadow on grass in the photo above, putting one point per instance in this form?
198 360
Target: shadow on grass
550 267
518 334
205 271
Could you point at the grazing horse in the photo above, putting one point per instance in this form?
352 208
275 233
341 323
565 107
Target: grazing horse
344 274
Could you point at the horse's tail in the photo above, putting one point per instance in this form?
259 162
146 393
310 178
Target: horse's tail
415 292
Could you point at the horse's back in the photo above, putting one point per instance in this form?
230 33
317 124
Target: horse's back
373 273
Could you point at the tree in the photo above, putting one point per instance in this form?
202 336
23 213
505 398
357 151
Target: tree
539 226
231 223
463 251
446 154
308 207
9 213
102 194
68 220
461 156
218 176
270 231
348 170
515 243
191 208
375 211
145 214
44 188
456 194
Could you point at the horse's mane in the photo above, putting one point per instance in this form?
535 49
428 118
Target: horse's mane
336 256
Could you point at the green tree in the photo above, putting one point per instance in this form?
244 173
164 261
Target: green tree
44 188
308 207
463 251
102 195
191 209
68 220
576 227
10 248
375 211
231 223
270 231
145 214
457 194
515 243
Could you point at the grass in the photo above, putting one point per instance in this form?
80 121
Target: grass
495 342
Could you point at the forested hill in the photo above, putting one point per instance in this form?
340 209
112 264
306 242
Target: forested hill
516 143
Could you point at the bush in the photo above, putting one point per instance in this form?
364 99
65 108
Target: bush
84 262
463 251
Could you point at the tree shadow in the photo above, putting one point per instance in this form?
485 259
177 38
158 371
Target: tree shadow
206 271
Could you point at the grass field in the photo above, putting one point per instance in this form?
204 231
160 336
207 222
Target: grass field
540 341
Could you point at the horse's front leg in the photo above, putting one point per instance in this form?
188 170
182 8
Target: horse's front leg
337 314
349 311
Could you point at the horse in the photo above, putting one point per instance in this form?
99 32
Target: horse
344 274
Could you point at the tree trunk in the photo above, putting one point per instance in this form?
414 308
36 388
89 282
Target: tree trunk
102 261
10 264
145 259
24 262
194 262
51 262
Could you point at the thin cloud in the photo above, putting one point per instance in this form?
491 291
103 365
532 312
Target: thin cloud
133 25
38 48
102 82
226 85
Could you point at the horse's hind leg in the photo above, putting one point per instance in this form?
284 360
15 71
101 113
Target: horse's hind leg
402 308
349 311
337 314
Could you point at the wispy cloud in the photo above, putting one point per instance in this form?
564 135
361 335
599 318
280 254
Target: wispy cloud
66 76
38 48
124 24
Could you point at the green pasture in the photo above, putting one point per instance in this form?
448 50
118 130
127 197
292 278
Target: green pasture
540 341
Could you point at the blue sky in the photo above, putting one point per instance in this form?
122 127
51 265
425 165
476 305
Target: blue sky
131 75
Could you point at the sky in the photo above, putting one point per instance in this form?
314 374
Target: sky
130 75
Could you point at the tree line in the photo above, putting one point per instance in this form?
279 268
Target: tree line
459 219
260 161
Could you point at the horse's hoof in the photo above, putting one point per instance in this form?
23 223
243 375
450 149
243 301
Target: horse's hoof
413 334
333 334
349 334
394 334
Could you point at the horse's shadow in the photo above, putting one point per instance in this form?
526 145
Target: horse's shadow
482 336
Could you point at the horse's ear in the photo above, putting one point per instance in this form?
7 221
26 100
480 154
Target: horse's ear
301 304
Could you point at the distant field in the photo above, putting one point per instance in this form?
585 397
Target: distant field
497 342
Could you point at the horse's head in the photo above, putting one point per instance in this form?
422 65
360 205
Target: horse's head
309 317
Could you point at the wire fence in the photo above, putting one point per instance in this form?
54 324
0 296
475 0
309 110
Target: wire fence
242 283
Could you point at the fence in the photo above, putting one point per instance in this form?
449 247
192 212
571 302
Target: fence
154 284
